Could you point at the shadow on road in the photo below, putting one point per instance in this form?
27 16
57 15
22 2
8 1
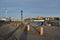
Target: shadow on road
24 34
35 29
11 33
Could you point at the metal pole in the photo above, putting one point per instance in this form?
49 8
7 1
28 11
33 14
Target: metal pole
1 15
6 13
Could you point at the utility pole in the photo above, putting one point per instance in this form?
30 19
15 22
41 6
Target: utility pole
6 13
1 15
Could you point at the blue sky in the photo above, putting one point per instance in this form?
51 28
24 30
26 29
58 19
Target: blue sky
31 8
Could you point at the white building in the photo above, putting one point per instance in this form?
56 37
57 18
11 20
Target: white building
4 19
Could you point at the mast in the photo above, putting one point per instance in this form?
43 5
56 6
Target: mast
21 15
6 13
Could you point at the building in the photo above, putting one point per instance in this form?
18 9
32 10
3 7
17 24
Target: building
44 18
4 19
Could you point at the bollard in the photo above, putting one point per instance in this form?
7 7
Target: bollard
28 27
41 31
17 25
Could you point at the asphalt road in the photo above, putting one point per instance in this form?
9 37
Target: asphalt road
11 32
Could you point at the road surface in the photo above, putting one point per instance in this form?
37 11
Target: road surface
11 32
